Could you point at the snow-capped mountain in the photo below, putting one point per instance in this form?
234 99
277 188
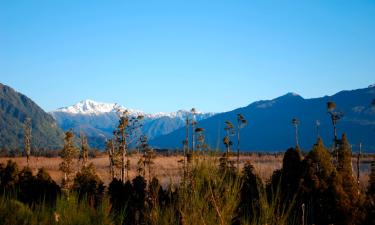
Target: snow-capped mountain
90 107
98 120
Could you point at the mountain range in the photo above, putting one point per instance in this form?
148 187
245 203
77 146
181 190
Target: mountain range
98 120
270 126
14 109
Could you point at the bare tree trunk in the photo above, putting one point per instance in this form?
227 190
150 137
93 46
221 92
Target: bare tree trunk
358 162
187 136
335 148
27 139
296 130
123 158
112 160
186 149
238 148
193 137
228 145
149 171
334 131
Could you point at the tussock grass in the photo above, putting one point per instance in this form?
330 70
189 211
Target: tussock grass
68 211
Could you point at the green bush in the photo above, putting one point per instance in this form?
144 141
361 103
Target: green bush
88 185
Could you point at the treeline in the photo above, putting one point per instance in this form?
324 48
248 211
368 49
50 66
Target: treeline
48 153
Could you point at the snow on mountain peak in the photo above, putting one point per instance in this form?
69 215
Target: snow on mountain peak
90 107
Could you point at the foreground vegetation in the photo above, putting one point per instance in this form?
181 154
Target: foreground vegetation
310 190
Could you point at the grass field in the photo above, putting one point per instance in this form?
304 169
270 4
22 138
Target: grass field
167 168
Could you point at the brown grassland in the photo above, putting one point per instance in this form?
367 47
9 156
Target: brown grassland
168 169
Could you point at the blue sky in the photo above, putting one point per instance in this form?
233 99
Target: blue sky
167 55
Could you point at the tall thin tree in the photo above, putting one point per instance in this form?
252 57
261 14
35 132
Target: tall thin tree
110 148
317 126
193 124
200 139
122 135
359 162
68 154
84 154
148 154
186 143
335 117
187 154
241 123
27 138
296 122
126 133
229 129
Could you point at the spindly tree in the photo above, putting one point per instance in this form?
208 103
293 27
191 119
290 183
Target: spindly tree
121 136
148 155
241 123
113 156
126 133
317 126
27 138
335 117
193 125
229 129
84 153
359 155
186 141
68 154
200 139
296 122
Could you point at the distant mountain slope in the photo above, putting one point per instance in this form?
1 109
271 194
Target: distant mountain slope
269 122
14 109
98 120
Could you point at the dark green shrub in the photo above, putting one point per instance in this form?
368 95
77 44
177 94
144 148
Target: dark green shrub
249 203
37 189
317 185
88 185
8 178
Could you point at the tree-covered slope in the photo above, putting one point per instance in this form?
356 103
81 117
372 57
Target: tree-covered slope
14 109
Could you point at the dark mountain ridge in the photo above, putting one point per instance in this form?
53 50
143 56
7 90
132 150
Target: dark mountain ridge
270 129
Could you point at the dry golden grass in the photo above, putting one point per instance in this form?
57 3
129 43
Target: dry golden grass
166 168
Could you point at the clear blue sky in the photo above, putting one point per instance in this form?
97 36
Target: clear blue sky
168 55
